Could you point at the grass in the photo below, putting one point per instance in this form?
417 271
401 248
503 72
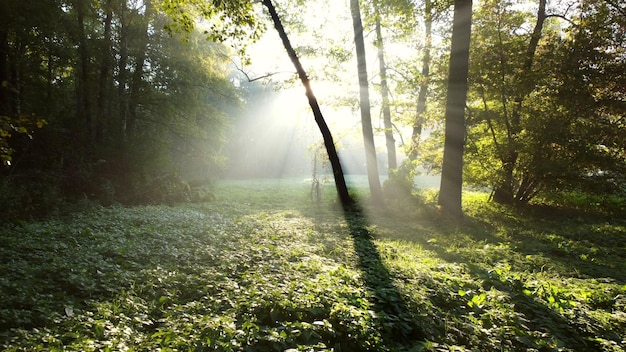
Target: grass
265 268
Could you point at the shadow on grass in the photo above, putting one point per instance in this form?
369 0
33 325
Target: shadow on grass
535 315
580 245
592 245
393 314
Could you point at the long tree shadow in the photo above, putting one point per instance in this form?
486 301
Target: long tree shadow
392 312
590 246
577 244
536 315
582 245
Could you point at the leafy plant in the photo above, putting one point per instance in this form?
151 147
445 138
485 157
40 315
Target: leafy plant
264 268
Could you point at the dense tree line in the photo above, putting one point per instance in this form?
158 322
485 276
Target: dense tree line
125 108
545 107
120 100
547 100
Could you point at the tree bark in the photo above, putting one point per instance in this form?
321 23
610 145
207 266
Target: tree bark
506 192
340 182
103 80
5 76
122 75
452 169
83 107
418 123
366 118
137 78
392 162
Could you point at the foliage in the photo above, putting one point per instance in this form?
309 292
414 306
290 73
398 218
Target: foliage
265 268
125 109
22 125
233 20
525 132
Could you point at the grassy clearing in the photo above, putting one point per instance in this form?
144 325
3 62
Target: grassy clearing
263 268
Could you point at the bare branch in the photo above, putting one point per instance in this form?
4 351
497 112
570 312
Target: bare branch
563 17
252 79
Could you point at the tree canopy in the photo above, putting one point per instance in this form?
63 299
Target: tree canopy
546 110
114 99
99 99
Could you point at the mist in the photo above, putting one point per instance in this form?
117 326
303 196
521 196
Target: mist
276 137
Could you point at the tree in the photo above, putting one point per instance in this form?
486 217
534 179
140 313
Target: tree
526 135
26 74
452 168
420 110
143 37
106 63
366 119
128 106
503 78
412 79
340 183
504 192
589 149
392 162
83 86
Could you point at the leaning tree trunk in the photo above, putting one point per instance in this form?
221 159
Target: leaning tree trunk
366 118
340 182
452 168
392 162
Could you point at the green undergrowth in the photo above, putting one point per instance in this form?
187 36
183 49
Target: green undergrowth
265 268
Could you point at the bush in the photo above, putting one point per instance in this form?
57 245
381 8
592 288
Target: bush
397 186
29 196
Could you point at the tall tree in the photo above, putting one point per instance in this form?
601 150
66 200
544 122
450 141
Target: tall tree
83 99
340 183
366 118
106 61
392 162
5 91
418 123
452 168
505 192
65 59
527 136
140 62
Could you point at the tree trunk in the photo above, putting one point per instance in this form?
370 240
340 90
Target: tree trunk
5 76
452 168
138 72
392 162
103 80
418 123
83 107
506 192
340 182
366 118
122 75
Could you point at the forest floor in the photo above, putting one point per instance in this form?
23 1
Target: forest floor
265 268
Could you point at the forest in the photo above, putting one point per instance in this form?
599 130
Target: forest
356 175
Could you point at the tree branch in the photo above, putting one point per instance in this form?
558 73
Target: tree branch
616 7
267 75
